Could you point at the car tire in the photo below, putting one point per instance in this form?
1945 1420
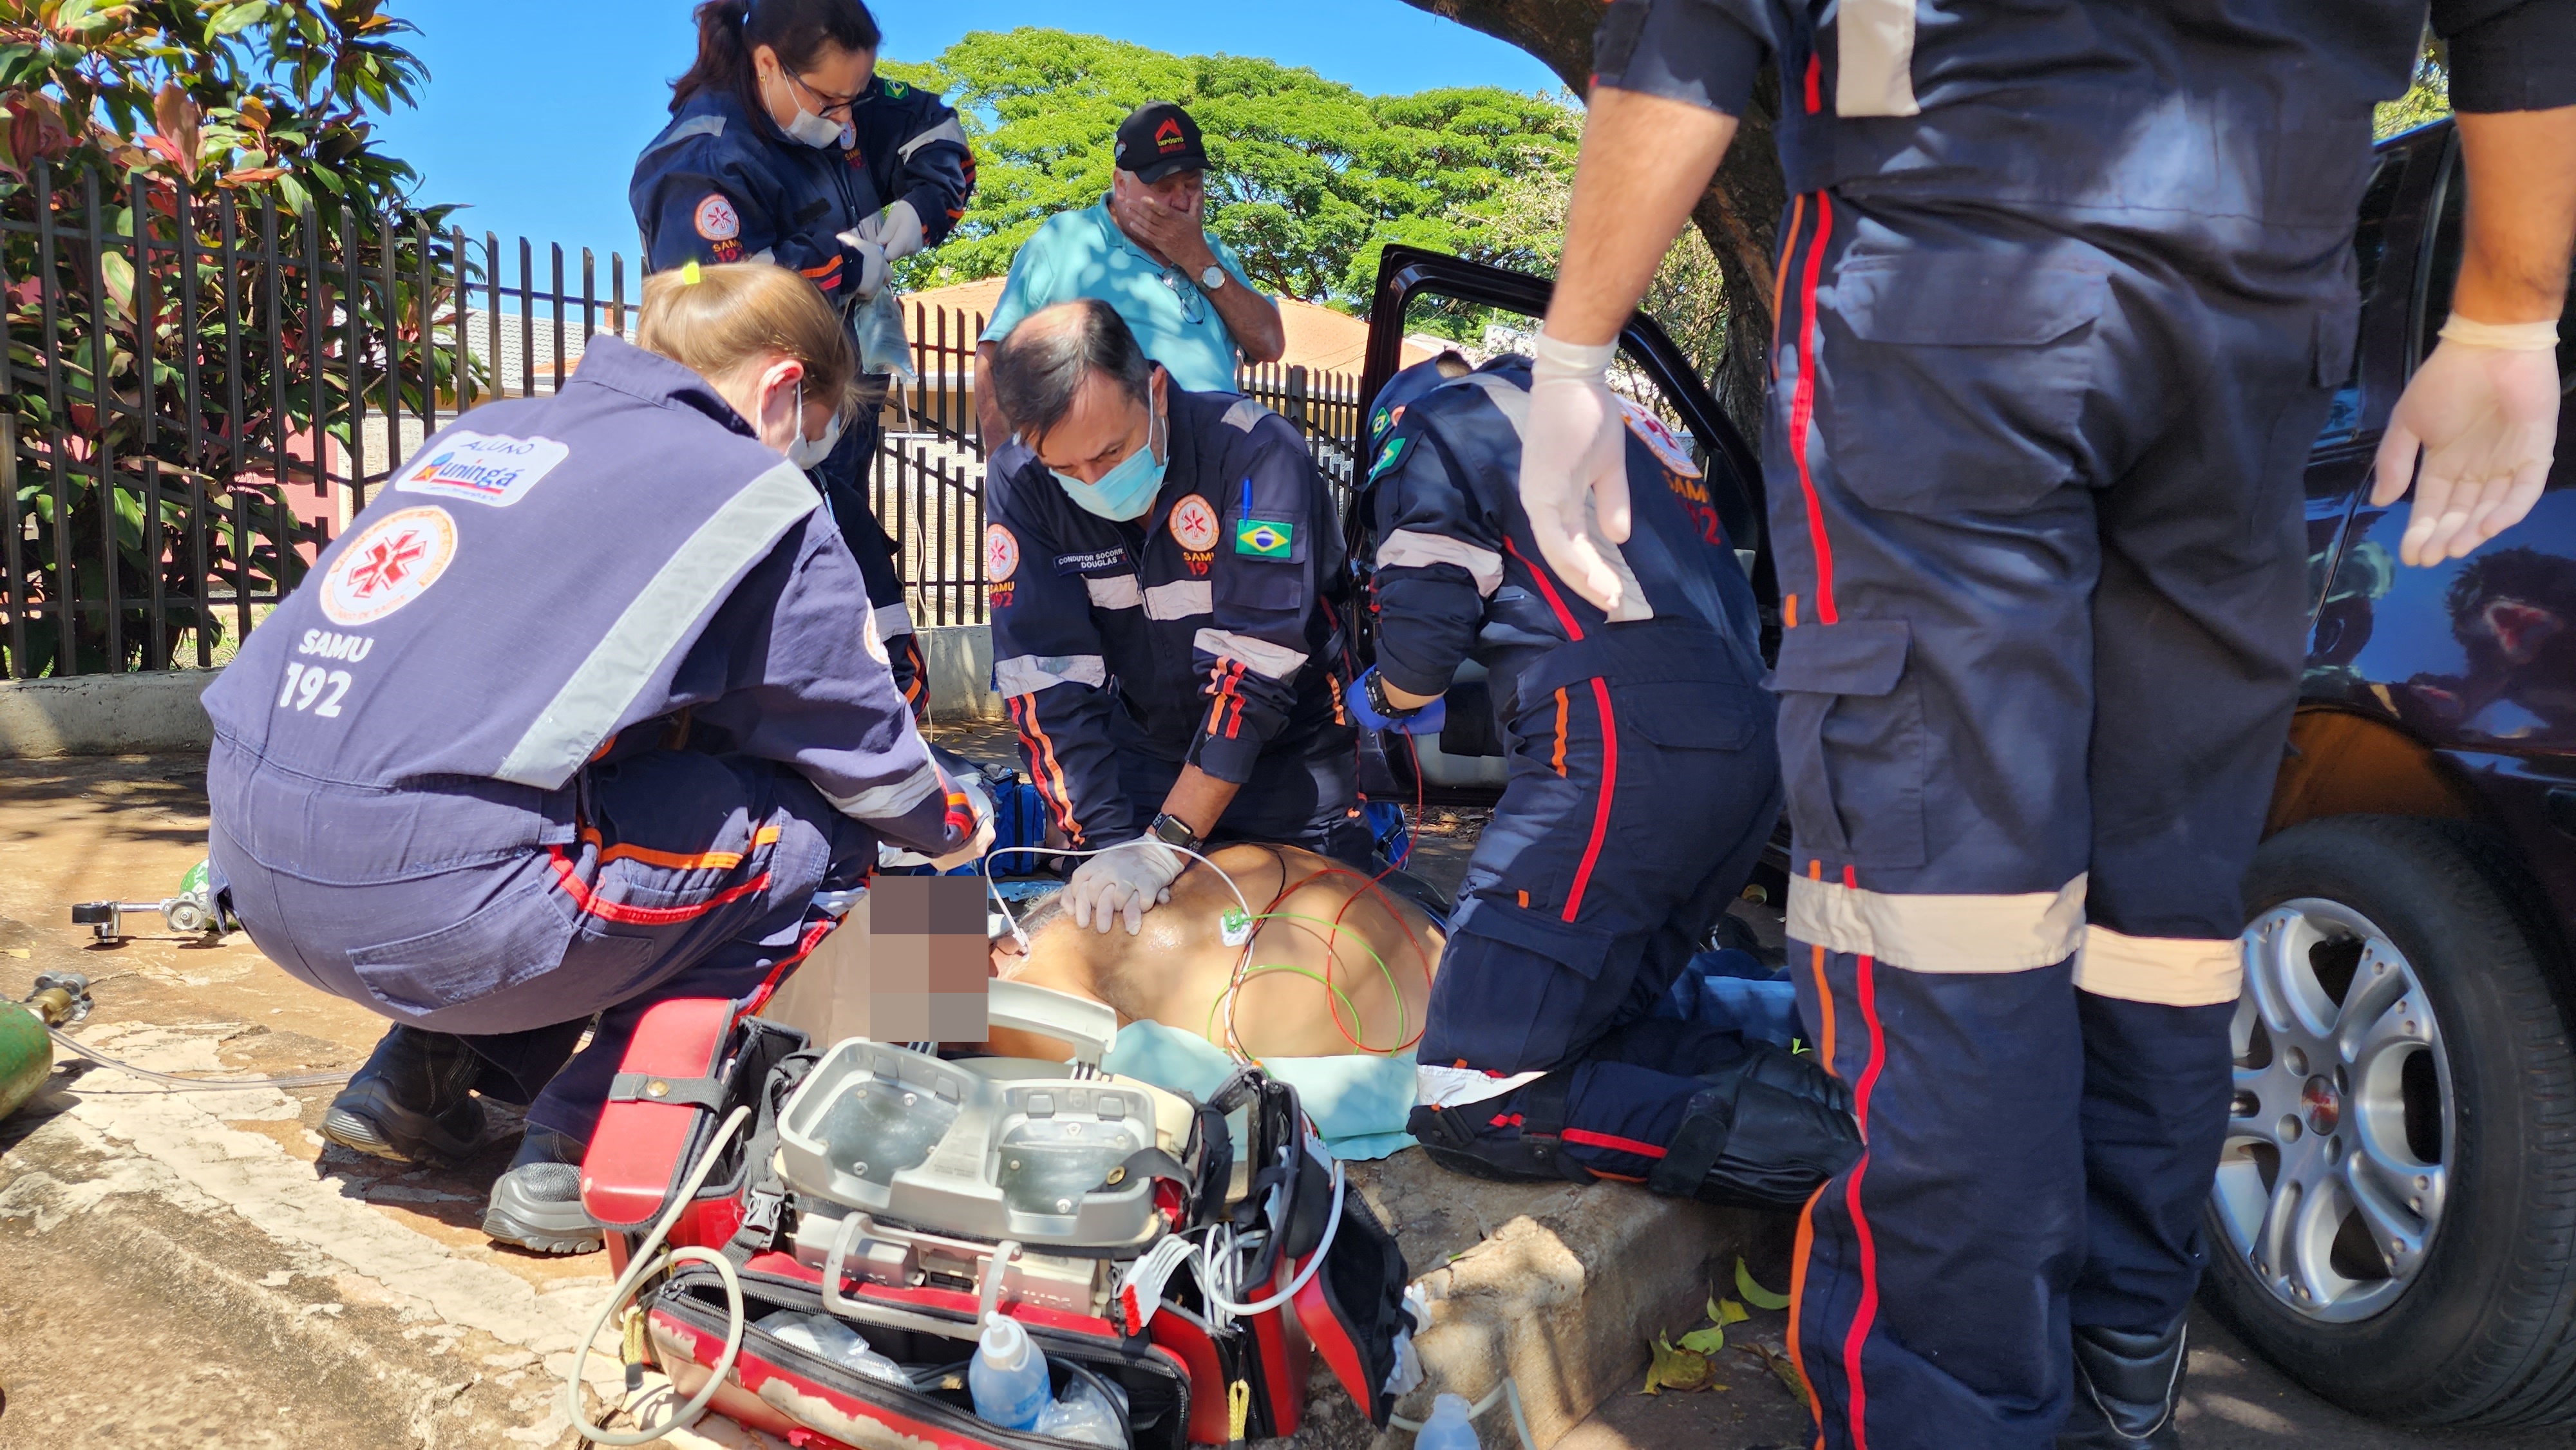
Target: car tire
2475 1321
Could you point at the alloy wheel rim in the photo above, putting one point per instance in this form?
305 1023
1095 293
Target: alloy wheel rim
2341 1128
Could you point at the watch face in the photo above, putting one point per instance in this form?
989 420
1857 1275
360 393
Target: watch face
1212 278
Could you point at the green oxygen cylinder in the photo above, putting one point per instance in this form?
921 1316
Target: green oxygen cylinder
26 1052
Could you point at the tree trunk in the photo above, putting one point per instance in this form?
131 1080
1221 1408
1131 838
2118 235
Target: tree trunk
1740 215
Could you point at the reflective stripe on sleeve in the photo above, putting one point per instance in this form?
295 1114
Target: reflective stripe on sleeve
1028 674
654 623
1275 661
893 620
885 802
1940 933
1184 600
947 130
1417 549
1116 591
2168 971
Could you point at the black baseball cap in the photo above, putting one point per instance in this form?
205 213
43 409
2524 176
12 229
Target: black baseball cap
1157 139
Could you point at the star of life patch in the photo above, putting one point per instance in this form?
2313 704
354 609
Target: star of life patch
1001 554
484 468
717 220
1651 431
874 642
1194 524
391 562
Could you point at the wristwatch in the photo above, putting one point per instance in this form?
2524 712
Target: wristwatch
1172 831
1374 685
1212 278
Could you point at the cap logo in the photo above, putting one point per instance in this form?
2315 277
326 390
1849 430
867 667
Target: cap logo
1167 136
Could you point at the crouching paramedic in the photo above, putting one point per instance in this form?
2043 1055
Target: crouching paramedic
1644 783
576 717
1159 561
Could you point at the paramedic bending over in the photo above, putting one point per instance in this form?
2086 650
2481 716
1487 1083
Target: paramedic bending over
785 145
572 720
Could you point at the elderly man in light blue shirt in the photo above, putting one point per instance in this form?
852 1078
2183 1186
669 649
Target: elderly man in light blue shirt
1144 249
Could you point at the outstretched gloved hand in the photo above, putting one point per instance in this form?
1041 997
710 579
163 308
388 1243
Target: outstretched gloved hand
1425 721
1131 880
2483 409
1574 465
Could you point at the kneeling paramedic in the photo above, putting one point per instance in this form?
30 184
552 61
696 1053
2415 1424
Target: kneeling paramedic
2065 298
1159 561
1644 784
574 719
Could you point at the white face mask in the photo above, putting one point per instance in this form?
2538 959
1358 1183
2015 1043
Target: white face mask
809 453
807 127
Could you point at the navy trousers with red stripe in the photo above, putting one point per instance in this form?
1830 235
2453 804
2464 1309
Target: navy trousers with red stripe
685 874
1644 786
2035 496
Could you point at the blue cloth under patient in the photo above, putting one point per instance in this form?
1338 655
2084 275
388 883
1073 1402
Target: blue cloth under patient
1731 988
1359 1101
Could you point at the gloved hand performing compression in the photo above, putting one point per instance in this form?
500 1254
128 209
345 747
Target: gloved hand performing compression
1130 880
2484 411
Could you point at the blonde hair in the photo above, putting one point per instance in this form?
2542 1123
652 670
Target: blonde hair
713 320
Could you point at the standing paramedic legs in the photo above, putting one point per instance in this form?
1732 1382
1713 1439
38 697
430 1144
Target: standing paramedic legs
2059 309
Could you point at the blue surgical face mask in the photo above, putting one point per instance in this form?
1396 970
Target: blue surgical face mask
1127 491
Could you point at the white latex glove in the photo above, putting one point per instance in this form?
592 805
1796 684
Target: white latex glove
980 802
2484 410
882 240
1130 880
1573 453
872 264
977 801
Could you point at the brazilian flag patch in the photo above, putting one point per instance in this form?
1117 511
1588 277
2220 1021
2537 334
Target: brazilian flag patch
1264 539
1387 456
896 90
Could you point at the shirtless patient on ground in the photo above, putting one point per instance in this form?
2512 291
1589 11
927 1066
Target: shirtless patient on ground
1178 969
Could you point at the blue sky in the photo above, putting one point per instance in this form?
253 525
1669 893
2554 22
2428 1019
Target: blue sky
535 109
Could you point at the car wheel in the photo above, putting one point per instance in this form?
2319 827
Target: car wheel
2394 1218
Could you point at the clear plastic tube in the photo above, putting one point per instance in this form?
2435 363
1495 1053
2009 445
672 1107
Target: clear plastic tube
169 1082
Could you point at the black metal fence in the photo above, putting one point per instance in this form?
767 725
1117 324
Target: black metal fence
198 392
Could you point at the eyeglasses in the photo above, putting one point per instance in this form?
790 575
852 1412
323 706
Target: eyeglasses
830 107
1193 301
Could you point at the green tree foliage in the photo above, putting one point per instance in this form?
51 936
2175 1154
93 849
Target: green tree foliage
1310 179
141 121
2428 99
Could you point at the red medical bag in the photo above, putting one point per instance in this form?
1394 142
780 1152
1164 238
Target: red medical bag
692 1062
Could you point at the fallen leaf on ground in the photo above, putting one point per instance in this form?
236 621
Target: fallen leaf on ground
1678 1369
1781 1367
1729 1312
21 953
1707 1341
1754 1294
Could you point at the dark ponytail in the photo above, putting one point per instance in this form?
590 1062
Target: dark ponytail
798 30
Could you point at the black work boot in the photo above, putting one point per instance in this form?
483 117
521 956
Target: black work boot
2127 1387
1509 1138
413 1102
537 1204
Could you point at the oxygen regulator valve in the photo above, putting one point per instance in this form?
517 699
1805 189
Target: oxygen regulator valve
191 915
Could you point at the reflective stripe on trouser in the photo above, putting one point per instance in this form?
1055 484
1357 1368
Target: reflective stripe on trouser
1656 850
2045 578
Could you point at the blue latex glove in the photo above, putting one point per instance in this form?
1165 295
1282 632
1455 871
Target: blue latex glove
1425 721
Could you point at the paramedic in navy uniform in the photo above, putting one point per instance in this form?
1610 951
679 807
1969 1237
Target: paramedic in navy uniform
1159 563
572 720
785 145
2066 290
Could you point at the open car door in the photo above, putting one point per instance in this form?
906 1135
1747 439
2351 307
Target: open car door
1421 291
